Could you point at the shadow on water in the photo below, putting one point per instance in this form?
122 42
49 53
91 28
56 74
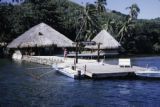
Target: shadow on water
19 89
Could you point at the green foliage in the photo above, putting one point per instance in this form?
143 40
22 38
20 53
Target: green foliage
156 47
143 44
81 23
134 10
100 5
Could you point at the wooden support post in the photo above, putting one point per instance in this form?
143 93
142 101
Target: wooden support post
76 52
98 57
85 68
50 48
31 52
39 51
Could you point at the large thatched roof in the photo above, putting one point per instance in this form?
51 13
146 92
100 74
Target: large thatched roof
108 42
39 36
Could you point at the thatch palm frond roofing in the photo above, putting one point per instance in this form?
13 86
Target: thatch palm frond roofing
106 40
39 36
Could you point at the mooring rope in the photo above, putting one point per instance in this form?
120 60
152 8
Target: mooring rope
45 73
40 68
37 76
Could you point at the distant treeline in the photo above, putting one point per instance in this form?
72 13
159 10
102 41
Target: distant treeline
81 23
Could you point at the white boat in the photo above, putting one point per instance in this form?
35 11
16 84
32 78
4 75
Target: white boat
149 73
68 72
55 67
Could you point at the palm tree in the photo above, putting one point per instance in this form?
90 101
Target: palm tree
128 26
87 22
109 26
134 10
101 5
124 30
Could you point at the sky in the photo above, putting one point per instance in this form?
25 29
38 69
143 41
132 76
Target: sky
149 9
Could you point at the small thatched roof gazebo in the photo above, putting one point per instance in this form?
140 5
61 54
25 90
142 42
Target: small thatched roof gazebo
40 35
107 41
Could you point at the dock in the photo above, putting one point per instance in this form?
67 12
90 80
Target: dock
88 68
93 69
106 70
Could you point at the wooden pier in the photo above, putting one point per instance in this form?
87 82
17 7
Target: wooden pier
99 70
89 68
94 69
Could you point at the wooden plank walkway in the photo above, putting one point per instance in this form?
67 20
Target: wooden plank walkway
106 70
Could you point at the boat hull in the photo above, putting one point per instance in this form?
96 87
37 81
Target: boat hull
148 74
66 73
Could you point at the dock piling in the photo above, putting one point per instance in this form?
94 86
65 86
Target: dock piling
79 74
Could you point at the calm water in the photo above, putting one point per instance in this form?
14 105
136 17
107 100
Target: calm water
23 87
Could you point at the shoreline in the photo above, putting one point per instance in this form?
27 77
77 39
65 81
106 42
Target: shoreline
118 56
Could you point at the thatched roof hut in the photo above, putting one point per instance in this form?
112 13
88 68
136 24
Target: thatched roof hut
107 41
39 36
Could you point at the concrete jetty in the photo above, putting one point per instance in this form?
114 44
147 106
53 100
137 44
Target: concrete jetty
89 68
